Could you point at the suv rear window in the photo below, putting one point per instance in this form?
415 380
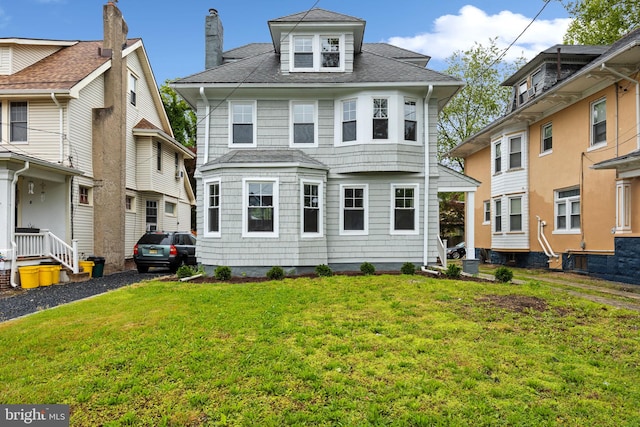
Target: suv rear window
155 239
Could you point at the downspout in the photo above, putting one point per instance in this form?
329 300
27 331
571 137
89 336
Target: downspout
542 239
60 117
427 171
622 76
14 245
207 112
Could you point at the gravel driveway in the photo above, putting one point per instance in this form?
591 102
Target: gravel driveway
26 301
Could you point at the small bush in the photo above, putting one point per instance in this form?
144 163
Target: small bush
408 268
453 271
185 271
275 273
324 270
367 268
503 274
222 272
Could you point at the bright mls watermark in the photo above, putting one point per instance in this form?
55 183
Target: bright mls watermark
34 415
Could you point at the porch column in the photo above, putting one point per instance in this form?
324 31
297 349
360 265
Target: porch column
470 264
6 226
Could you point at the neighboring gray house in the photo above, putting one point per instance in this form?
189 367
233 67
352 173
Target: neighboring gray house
311 149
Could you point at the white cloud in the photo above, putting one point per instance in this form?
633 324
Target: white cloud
459 32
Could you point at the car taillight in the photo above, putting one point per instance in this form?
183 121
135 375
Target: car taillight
135 250
173 250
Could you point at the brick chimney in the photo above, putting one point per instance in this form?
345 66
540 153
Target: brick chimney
213 40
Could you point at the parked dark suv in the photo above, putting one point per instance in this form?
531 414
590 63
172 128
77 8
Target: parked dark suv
164 249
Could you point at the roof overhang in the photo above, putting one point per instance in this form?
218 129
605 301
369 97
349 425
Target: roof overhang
163 136
627 166
16 161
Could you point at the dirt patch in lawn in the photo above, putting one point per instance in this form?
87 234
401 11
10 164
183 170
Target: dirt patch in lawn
516 303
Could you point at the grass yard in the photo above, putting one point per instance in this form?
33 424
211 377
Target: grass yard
376 350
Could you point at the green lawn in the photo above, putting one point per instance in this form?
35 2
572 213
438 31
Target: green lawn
377 350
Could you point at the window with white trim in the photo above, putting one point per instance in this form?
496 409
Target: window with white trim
311 208
303 121
515 152
497 157
349 123
261 207
151 215
303 52
129 204
515 214
410 120
405 209
18 120
317 52
159 156
380 118
599 122
353 209
133 88
212 210
547 138
497 216
330 52
84 195
170 208
242 122
567 210
486 219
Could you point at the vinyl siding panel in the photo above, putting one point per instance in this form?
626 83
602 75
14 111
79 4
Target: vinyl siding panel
80 137
24 56
5 60
83 217
43 131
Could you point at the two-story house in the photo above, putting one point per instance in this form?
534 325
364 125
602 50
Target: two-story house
88 162
560 170
317 148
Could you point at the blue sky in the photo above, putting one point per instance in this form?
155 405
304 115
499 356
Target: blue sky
173 32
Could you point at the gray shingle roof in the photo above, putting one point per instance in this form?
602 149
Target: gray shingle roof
264 156
317 15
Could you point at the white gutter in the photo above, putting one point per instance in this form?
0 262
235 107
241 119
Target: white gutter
427 171
60 117
622 76
546 247
12 222
207 112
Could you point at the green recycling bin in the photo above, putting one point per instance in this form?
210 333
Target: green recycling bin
98 265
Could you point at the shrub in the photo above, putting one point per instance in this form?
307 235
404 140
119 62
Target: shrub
222 272
408 268
275 273
453 271
503 274
185 271
324 270
367 268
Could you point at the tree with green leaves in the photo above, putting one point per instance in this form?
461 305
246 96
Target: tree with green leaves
600 22
480 102
182 118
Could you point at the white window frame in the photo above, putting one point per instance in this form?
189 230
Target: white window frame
388 118
133 89
497 154
486 215
254 123
592 109
416 209
159 156
353 112
365 207
414 102
10 122
207 207
130 203
89 195
511 213
567 202
543 138
520 153
173 211
623 206
316 50
497 216
292 123
320 207
245 207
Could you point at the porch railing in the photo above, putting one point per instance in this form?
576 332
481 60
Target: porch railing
46 244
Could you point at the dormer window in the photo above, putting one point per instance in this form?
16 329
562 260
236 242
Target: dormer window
317 53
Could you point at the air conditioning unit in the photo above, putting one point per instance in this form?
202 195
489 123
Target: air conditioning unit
179 174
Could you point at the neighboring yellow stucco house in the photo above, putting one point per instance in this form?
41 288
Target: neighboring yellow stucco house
560 171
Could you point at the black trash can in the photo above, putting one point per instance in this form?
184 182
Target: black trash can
98 265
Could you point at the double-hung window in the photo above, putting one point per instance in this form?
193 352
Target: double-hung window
311 208
304 123
349 123
515 152
242 124
404 212
261 207
303 52
547 138
410 120
330 52
354 206
158 156
599 122
497 157
567 210
380 118
497 216
486 219
317 53
515 214
18 122
133 88
212 212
